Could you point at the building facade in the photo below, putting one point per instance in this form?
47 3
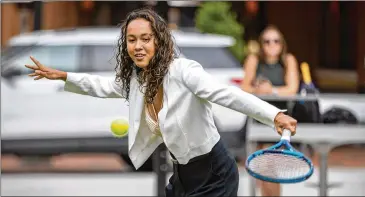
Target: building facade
329 35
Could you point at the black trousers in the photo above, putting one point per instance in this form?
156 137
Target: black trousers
212 174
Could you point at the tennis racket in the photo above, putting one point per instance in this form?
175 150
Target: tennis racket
280 165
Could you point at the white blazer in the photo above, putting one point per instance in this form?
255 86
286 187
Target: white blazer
186 119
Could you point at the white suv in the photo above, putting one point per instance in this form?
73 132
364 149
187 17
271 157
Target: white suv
42 110
93 51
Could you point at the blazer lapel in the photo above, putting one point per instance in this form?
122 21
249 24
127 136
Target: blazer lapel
136 106
163 111
136 99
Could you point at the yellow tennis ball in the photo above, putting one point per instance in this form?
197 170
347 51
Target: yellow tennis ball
119 127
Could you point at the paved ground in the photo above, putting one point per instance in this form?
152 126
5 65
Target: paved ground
346 156
142 184
347 166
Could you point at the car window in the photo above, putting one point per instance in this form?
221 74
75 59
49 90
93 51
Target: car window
94 58
211 57
64 58
9 52
102 57
98 58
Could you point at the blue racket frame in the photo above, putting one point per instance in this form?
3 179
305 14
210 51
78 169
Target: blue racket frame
289 150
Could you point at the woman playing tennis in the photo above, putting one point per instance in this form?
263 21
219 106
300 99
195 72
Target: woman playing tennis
169 102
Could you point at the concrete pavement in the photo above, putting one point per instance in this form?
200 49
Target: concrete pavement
143 184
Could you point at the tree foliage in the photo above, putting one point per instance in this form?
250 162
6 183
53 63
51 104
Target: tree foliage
217 18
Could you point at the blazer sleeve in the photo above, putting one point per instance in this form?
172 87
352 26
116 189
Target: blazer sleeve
206 87
93 85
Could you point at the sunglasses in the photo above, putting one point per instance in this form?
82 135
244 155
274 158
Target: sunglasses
275 41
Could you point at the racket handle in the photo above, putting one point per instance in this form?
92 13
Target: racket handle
306 73
286 135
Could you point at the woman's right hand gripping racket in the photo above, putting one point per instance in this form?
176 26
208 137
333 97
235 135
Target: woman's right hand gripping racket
277 165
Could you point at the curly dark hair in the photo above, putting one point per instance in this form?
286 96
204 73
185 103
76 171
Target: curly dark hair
158 65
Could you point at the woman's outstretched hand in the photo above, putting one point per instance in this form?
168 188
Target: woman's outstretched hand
41 71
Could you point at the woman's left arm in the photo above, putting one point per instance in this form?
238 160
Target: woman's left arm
205 86
291 78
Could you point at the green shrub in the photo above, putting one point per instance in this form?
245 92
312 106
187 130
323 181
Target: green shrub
217 18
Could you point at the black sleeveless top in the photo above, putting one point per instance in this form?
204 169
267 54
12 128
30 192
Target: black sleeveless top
275 73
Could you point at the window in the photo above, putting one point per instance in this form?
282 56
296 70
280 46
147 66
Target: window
9 54
98 58
211 57
59 57
101 58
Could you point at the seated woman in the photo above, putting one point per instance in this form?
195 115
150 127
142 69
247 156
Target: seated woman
271 71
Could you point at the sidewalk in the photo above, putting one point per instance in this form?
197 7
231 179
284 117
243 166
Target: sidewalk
352 156
351 182
143 184
347 166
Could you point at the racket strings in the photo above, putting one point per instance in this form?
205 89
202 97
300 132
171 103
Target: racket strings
279 166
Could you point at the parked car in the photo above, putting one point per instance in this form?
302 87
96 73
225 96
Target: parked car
42 110
39 114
